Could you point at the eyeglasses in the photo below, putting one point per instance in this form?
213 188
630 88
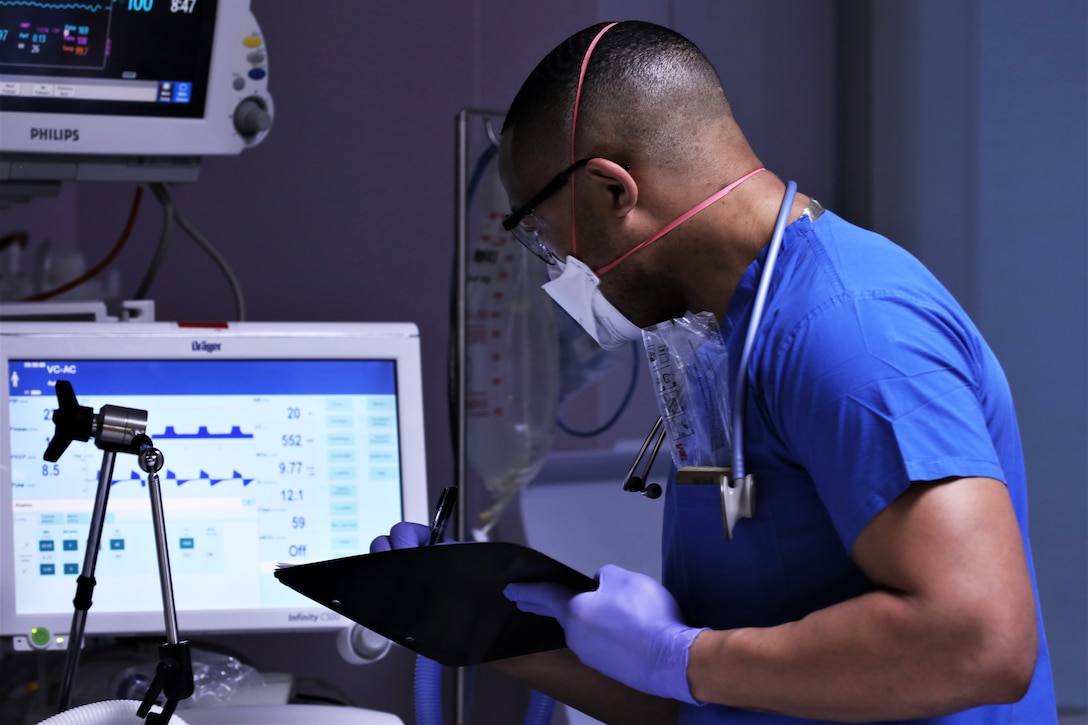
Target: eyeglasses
523 225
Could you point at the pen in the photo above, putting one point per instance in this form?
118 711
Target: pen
442 512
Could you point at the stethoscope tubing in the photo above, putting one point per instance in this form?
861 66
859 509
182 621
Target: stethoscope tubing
741 388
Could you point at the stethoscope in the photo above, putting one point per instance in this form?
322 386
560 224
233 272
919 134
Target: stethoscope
737 487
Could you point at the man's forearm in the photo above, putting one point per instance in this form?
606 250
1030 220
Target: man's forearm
876 657
560 675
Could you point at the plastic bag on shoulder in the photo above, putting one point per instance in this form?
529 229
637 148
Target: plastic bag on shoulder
689 367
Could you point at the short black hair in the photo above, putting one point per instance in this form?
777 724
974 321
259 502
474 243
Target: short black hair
643 82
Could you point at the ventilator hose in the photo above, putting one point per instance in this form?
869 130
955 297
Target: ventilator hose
428 691
428 697
540 710
108 712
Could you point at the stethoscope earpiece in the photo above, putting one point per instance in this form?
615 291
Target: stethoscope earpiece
637 484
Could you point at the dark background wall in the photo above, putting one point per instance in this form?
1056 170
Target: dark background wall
958 129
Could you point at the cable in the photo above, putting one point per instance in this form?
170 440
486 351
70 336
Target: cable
627 396
97 269
236 289
164 240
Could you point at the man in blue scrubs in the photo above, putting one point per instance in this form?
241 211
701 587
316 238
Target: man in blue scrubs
886 574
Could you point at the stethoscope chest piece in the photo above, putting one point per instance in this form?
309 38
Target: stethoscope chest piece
738 498
738 502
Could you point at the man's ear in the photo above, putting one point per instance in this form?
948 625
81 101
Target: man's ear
613 185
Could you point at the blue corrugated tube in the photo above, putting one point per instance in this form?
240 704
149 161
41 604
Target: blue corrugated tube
428 691
540 711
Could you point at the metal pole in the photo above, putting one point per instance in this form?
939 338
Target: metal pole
85 585
460 418
460 215
151 460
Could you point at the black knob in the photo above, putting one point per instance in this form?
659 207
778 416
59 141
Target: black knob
74 422
252 117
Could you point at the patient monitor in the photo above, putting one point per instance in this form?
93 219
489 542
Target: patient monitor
127 90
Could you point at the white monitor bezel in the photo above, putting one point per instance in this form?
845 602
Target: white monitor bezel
169 341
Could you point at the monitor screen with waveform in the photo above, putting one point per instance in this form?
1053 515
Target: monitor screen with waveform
281 444
117 58
128 90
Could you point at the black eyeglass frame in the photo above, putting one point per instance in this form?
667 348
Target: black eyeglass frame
512 220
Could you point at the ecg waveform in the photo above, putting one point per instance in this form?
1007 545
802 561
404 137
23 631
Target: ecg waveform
54 35
88 7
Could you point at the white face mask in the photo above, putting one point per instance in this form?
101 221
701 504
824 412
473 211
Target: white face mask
575 288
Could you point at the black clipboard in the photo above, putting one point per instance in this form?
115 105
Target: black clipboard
444 602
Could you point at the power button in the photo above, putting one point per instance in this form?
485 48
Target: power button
39 637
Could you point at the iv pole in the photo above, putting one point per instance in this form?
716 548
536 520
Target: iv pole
120 430
460 213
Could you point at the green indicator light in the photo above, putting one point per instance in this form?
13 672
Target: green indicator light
39 636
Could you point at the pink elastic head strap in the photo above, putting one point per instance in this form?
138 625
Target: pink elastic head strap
678 221
668 227
574 125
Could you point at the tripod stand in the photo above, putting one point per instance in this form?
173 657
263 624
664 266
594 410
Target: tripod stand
120 430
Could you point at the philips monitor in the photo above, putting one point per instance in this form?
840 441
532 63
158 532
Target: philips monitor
128 90
283 444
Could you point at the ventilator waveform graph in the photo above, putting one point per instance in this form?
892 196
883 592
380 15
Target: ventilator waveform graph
202 433
54 35
201 477
259 445
172 437
209 456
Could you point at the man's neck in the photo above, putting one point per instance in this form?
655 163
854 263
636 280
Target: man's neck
728 239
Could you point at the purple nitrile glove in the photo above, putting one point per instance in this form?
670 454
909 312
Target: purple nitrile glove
404 535
629 628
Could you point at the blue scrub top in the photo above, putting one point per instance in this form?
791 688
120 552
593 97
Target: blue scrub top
865 375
